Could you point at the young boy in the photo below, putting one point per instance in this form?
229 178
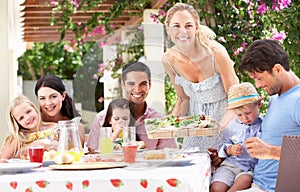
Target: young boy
235 172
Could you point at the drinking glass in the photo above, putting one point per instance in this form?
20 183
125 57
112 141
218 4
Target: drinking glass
129 145
36 154
105 140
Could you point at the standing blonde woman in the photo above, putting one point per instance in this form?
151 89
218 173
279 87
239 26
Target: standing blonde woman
200 69
25 129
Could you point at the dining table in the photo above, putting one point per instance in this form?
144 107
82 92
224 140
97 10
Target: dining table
165 177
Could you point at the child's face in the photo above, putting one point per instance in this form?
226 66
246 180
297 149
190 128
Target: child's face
120 117
26 116
247 114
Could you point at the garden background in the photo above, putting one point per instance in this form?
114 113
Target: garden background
237 24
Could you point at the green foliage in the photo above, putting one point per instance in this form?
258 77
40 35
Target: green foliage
50 58
237 24
81 30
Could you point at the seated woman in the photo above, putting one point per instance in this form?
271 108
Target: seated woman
26 129
55 103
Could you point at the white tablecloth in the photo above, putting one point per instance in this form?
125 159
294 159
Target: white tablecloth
190 178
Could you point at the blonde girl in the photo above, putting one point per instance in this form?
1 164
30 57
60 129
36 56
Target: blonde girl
25 129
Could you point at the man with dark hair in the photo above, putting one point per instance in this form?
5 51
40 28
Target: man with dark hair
267 64
136 81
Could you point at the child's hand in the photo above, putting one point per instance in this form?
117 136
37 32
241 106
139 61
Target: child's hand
235 150
117 128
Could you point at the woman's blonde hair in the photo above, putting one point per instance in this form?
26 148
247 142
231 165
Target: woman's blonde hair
16 131
204 34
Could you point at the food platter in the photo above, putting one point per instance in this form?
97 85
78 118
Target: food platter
88 166
173 127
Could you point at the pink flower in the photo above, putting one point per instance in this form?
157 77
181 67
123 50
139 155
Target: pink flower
262 9
277 5
101 44
75 3
98 30
244 44
162 13
240 49
154 18
101 99
234 36
249 13
278 36
95 76
68 48
101 67
247 1
52 2
222 39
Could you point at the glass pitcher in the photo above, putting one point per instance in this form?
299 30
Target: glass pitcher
69 141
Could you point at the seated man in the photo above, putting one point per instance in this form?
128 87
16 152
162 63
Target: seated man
136 80
268 65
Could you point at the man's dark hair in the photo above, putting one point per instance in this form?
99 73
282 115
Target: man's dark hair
135 66
262 55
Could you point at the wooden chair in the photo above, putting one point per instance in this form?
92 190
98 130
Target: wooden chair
288 178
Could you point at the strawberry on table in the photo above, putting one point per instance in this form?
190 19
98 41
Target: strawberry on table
159 189
116 182
144 183
85 183
173 182
28 190
13 184
69 185
42 183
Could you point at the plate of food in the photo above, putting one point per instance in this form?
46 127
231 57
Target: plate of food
172 126
17 167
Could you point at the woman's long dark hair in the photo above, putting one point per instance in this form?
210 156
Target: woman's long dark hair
54 82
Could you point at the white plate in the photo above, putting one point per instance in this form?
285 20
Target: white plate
168 162
17 167
17 161
46 163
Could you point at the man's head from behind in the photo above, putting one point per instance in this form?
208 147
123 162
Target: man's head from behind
136 80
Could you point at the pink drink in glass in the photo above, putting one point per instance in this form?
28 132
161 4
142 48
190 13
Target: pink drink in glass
129 152
36 154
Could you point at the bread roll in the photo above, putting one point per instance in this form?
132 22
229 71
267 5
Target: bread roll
141 144
64 158
155 155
